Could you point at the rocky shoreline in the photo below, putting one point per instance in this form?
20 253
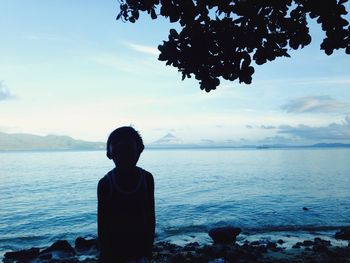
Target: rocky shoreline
223 249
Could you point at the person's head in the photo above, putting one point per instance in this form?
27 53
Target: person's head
124 147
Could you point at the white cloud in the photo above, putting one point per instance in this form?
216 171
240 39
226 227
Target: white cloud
324 81
277 139
331 132
44 37
7 128
145 66
314 104
267 127
5 93
149 50
304 81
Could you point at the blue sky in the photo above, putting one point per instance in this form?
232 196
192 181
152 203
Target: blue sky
68 67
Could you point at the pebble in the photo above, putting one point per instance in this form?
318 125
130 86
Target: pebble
224 235
343 234
194 252
280 241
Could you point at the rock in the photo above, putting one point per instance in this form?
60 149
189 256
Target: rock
305 208
191 246
344 234
261 249
67 260
224 235
201 258
164 245
255 243
247 247
271 246
45 256
218 260
156 248
297 245
177 258
90 260
320 248
23 255
307 243
61 246
232 256
214 251
341 252
85 244
280 241
319 241
218 250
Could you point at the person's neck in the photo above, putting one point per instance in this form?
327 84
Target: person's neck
127 179
130 171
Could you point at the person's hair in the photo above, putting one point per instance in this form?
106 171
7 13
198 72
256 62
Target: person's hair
122 133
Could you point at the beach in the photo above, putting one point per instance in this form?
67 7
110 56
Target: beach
272 247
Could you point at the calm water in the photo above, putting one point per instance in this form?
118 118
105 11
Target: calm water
45 196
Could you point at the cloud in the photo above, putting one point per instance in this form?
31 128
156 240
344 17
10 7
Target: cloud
314 104
44 37
264 127
149 50
280 140
134 65
5 93
332 131
7 128
164 129
267 127
207 141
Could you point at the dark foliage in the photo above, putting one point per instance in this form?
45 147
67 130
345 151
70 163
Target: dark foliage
220 38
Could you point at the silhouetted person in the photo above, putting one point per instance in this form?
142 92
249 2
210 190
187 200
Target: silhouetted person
126 215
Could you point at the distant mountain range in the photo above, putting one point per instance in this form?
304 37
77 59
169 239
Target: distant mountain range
171 141
27 142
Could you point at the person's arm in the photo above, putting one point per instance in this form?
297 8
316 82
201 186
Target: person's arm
152 215
101 216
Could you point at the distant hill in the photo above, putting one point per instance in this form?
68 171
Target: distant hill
172 142
26 142
331 145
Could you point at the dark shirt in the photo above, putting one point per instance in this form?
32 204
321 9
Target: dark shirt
126 220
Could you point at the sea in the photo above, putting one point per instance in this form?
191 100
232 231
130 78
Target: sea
51 195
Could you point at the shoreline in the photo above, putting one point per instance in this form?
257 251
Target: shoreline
284 246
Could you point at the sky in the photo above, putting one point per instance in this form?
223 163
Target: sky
69 68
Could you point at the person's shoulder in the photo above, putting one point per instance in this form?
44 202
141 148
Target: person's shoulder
147 173
104 181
